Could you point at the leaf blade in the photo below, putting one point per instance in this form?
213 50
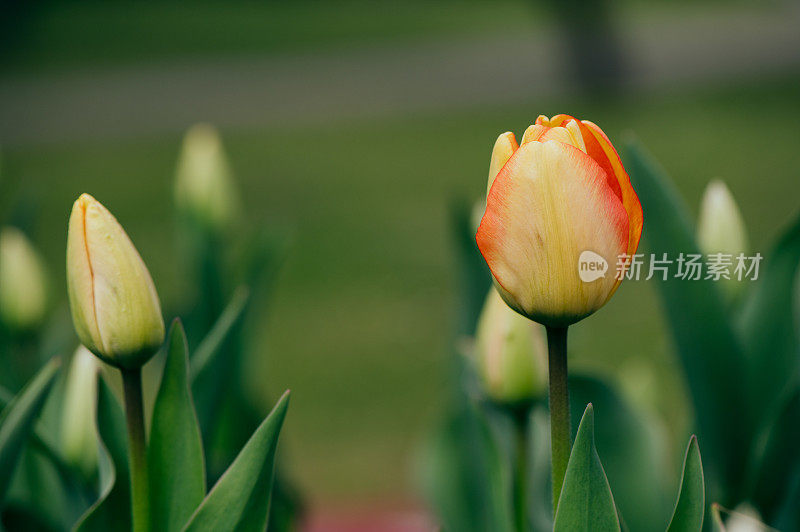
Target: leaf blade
690 506
766 324
175 453
212 342
112 509
17 420
629 442
240 499
586 503
711 356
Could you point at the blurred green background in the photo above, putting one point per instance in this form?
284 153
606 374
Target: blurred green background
361 318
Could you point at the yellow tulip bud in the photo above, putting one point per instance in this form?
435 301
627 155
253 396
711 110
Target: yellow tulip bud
558 200
115 307
510 353
23 283
720 227
78 434
204 189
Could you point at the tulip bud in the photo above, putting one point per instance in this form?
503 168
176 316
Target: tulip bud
510 353
78 434
23 283
204 189
745 518
115 307
720 228
558 197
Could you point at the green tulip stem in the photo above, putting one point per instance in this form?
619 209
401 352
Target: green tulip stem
560 436
521 418
137 449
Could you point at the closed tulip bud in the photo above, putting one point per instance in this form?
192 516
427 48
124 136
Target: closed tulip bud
115 307
510 354
78 434
745 518
204 189
560 202
720 228
23 283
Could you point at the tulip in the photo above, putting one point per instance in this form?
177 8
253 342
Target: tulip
204 189
78 434
510 354
720 227
115 307
557 201
23 282
559 193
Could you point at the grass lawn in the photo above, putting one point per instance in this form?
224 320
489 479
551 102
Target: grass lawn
63 34
87 33
359 322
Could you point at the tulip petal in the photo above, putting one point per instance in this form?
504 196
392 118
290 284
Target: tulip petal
119 302
556 121
550 203
533 132
504 148
565 135
607 157
81 282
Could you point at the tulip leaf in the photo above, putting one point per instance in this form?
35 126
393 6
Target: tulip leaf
40 442
213 341
112 509
767 325
690 507
472 274
702 330
629 442
778 458
586 502
17 420
788 514
240 499
175 453
465 474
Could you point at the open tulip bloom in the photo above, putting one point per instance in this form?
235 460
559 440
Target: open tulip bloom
559 193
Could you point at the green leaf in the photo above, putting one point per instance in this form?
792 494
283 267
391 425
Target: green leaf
712 359
466 474
472 274
586 502
112 510
17 420
213 341
767 325
175 452
689 510
777 459
629 442
240 500
42 443
788 515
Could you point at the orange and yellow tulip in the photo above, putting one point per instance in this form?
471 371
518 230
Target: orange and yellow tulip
560 192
